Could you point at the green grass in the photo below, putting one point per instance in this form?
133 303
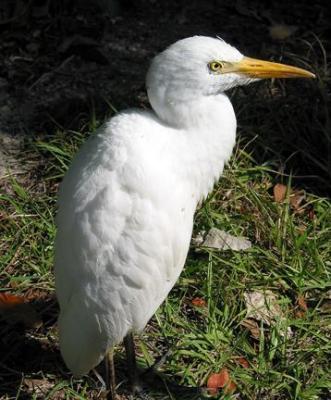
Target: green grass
290 256
280 128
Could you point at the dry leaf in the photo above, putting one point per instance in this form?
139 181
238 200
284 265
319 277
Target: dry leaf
280 192
199 302
263 306
218 381
14 309
282 31
38 386
212 384
302 303
296 199
252 326
220 240
242 362
8 300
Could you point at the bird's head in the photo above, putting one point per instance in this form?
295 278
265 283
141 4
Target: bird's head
203 66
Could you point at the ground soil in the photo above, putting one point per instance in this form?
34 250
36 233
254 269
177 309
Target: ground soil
60 64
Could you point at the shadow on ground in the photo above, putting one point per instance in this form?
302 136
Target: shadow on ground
61 68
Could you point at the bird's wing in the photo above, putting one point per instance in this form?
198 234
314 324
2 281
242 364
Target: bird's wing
117 251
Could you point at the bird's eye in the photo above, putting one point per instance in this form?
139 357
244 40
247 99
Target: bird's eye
215 66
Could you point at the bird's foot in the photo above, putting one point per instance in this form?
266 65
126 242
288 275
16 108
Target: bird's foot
141 395
139 390
158 363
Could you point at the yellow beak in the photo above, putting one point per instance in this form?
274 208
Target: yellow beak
265 69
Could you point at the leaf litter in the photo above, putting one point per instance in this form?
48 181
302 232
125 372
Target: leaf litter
264 306
221 240
296 197
16 309
221 380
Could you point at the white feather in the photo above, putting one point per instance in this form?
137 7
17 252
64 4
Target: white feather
127 203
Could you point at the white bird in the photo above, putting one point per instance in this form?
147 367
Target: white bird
127 203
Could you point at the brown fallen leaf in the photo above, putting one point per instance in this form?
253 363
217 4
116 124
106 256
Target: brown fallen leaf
218 381
302 308
212 384
242 362
15 309
9 300
198 302
279 192
302 303
296 199
252 326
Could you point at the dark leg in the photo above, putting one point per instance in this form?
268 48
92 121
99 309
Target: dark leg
150 376
110 375
131 361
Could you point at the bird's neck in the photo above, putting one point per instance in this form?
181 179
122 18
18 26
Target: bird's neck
209 125
197 113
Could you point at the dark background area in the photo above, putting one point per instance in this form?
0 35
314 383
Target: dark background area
62 62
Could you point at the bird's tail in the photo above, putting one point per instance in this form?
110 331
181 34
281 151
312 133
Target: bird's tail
82 340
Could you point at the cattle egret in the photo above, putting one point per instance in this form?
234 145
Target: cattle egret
127 203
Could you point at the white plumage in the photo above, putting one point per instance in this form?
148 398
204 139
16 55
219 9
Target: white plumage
127 203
